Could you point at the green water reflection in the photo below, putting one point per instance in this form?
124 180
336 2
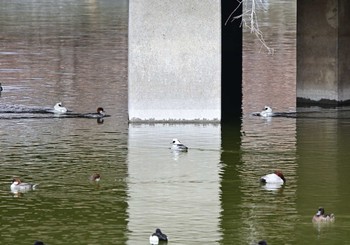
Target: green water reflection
314 156
323 157
212 192
211 195
230 193
66 208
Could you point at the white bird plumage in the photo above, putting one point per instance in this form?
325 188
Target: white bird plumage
267 112
157 236
153 239
178 146
59 108
276 178
18 186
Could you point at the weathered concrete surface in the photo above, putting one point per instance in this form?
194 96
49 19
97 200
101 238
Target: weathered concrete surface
323 51
174 68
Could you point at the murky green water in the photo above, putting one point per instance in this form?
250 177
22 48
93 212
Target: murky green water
74 52
77 53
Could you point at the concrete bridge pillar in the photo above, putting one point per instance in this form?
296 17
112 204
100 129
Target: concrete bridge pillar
323 52
174 71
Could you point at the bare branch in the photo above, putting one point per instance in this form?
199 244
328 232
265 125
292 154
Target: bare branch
249 19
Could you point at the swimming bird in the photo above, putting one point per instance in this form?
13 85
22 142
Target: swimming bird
320 216
95 177
153 239
100 113
277 178
267 112
262 242
58 108
18 186
0 87
178 146
158 236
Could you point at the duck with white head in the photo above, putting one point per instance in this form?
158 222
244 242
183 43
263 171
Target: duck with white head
59 108
178 146
266 112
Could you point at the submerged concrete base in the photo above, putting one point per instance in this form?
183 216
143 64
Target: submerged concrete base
323 62
174 71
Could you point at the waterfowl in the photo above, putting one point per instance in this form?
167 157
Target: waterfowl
100 113
320 216
0 87
18 186
58 108
178 146
276 178
158 236
262 242
95 177
153 239
266 112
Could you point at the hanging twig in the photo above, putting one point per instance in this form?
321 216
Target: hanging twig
249 19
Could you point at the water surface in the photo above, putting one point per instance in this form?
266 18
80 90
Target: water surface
77 53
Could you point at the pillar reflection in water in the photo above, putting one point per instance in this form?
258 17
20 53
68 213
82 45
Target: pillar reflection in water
175 191
250 211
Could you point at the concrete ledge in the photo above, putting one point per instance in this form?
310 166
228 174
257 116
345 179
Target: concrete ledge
137 121
321 103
